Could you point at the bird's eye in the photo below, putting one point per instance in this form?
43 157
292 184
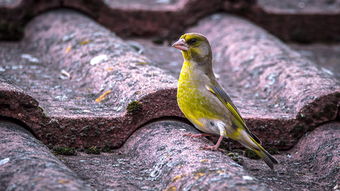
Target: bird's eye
192 41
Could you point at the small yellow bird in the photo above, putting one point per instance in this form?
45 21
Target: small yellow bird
203 101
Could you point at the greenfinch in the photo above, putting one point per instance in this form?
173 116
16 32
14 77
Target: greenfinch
203 101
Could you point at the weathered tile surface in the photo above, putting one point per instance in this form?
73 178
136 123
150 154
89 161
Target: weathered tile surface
313 164
27 164
92 88
303 21
84 78
74 83
326 56
159 157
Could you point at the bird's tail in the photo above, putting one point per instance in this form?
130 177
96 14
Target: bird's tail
267 158
247 141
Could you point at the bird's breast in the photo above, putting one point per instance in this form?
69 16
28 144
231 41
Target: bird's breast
193 99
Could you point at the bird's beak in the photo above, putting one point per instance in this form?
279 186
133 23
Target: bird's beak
181 45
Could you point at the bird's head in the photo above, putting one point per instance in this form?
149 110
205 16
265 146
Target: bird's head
195 47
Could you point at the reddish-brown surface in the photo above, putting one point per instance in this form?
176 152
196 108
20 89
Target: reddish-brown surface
56 64
71 82
67 71
26 164
159 157
326 56
302 21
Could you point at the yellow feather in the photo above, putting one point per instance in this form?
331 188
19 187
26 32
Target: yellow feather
192 103
203 101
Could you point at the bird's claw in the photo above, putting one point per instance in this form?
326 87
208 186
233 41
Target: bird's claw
212 148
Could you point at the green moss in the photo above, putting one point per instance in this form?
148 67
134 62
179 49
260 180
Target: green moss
251 154
92 150
235 157
64 151
134 107
143 63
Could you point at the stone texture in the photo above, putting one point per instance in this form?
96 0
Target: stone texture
313 163
302 21
132 17
73 83
159 157
327 56
84 78
301 6
27 164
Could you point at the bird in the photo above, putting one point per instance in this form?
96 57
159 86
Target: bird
205 103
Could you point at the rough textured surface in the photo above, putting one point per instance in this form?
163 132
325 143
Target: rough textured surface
327 56
132 17
313 164
93 89
84 78
304 6
73 83
303 20
27 164
159 157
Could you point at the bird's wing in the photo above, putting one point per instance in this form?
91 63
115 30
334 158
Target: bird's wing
225 99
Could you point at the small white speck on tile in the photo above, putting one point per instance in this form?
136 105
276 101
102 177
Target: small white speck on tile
4 161
98 59
30 58
247 178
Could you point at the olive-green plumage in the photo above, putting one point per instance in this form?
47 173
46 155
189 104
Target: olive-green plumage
203 101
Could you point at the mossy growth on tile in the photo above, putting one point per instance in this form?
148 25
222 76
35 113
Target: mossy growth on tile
134 107
235 157
143 63
64 151
92 150
251 154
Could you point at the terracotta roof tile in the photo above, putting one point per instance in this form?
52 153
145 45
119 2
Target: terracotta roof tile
159 157
75 84
84 78
27 164
303 21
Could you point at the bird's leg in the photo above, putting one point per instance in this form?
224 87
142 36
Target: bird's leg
215 147
197 135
